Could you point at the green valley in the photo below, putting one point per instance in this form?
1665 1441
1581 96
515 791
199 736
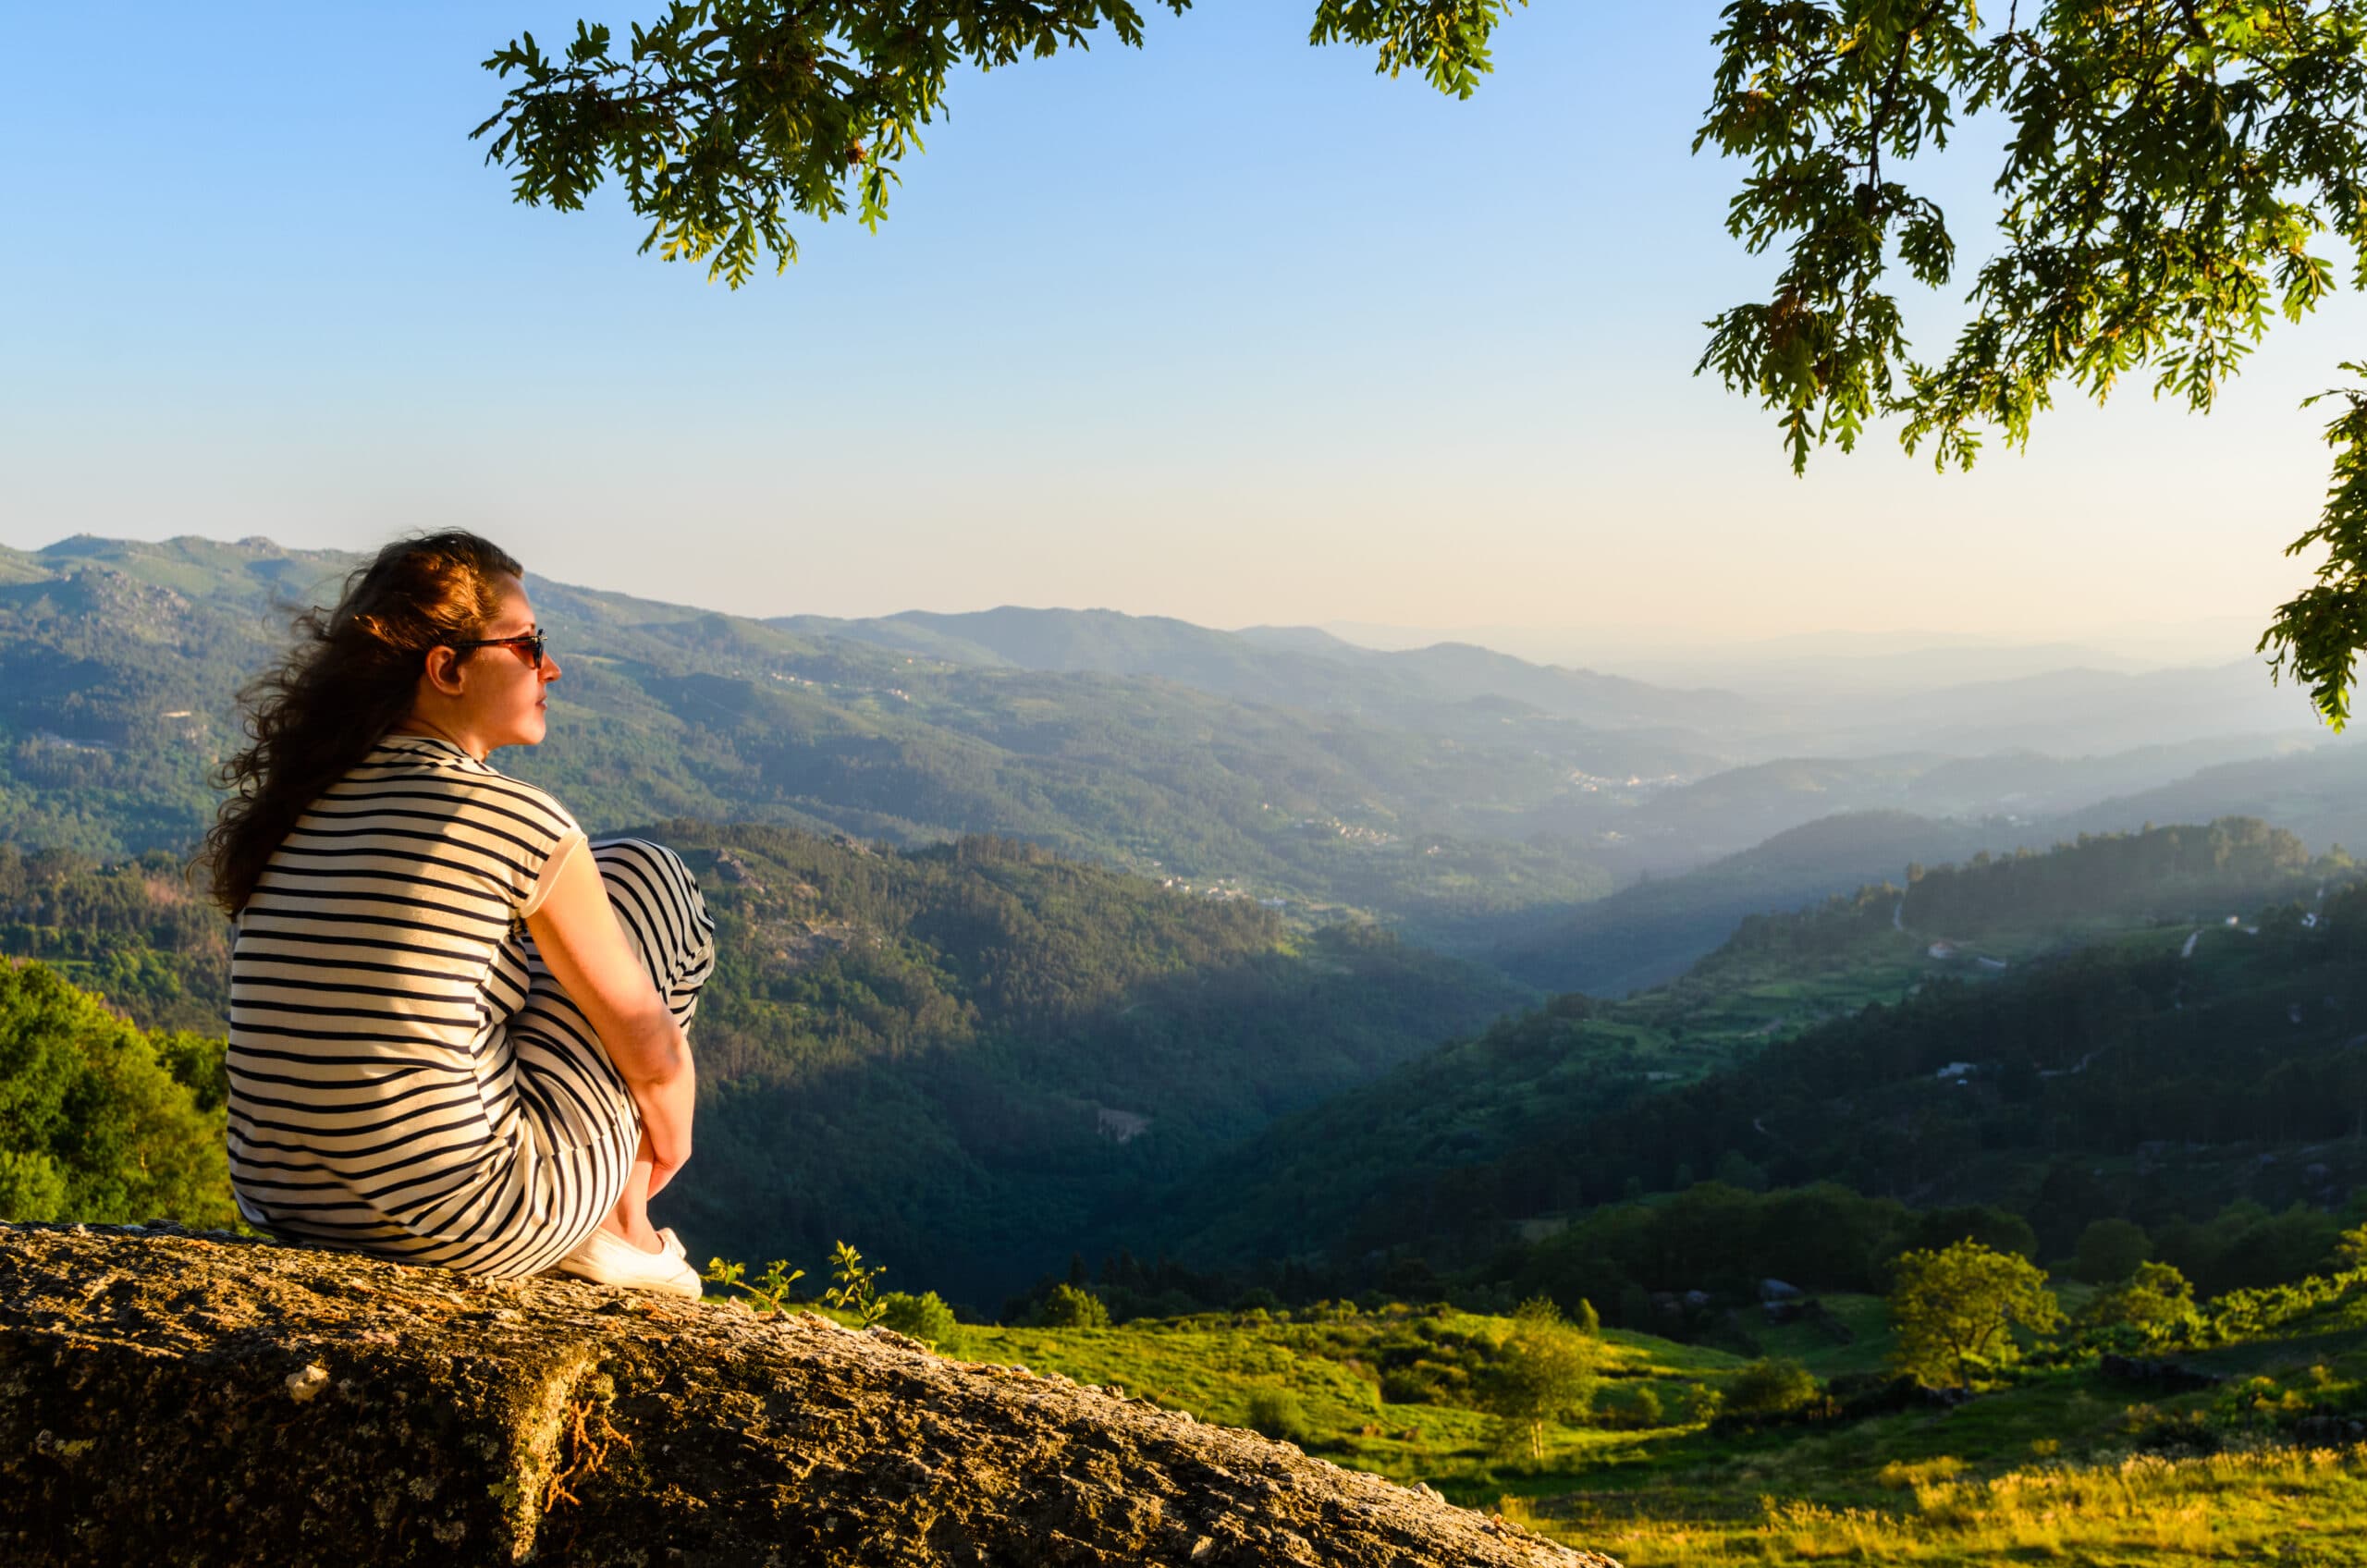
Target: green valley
2049 1032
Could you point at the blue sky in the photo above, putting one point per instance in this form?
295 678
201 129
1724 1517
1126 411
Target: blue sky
1228 329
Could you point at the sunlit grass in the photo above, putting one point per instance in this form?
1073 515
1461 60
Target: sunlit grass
2284 1504
2037 1471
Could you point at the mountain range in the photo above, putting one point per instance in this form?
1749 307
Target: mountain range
1463 794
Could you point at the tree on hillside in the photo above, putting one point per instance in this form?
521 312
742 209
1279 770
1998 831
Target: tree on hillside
1545 1370
1953 1312
2169 166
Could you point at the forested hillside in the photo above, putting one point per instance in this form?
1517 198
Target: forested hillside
1654 930
117 663
972 1057
1809 1047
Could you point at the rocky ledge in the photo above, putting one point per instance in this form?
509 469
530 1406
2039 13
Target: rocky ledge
169 1397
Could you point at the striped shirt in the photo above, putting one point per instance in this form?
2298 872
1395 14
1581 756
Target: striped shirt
374 1091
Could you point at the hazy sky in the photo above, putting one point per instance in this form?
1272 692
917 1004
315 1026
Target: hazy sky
1227 328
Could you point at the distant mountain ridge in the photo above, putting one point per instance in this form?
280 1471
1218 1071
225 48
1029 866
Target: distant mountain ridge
1453 789
1291 666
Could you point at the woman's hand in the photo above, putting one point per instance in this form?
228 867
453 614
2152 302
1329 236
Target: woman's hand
589 954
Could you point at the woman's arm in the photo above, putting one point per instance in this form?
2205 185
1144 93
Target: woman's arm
588 953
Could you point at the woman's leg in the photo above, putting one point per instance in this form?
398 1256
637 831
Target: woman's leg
629 1218
588 1115
658 903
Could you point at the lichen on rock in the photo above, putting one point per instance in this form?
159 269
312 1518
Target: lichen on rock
203 1399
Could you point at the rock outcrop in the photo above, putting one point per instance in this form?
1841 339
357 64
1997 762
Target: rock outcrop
166 1397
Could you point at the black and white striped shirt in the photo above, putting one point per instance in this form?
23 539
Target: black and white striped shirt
374 1096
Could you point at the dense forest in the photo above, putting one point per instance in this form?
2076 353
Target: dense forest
100 1120
981 1058
2057 1055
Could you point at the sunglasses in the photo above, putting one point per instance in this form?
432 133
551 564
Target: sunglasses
527 645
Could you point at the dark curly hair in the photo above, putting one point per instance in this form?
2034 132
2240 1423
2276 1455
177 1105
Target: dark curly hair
350 678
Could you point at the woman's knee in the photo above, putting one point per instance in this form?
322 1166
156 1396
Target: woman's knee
658 900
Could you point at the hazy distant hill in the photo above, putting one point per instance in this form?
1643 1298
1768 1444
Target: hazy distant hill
1301 667
2321 794
1449 788
1654 930
2070 713
118 660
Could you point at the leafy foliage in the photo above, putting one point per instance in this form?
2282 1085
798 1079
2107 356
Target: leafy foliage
770 1292
93 1124
2169 166
2111 1249
2152 1309
854 1285
723 117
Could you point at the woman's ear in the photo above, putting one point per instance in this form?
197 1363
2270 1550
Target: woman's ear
443 670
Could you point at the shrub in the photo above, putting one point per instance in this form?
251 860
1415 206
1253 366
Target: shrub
1770 1386
2152 1308
1277 1412
1070 1307
924 1317
1633 1407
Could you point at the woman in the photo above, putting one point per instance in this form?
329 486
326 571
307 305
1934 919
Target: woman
456 1029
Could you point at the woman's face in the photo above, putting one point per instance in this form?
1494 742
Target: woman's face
493 697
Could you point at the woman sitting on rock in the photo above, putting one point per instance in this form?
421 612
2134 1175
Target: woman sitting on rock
456 1029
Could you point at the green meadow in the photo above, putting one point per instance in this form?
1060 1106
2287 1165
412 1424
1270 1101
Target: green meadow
2057 1463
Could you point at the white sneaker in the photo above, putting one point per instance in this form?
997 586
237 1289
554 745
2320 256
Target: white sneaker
606 1258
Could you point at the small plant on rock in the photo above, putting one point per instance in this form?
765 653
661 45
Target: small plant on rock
768 1292
855 1288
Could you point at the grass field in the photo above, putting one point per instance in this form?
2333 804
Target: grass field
2060 1466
